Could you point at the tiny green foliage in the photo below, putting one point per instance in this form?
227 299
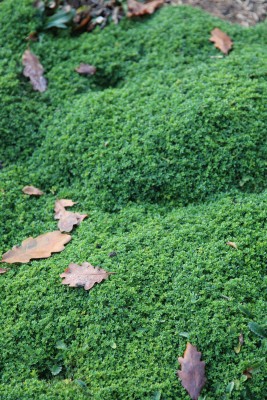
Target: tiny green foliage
165 149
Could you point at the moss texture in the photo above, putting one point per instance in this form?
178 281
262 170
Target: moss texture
165 148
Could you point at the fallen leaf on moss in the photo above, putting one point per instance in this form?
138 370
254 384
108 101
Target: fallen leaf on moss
84 275
232 244
34 70
86 69
40 247
248 373
3 270
67 219
192 372
32 191
221 41
136 9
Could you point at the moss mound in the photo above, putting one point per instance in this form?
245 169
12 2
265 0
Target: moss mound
165 148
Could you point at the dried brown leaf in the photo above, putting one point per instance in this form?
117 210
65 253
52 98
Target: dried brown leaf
86 69
222 41
84 275
34 70
192 372
232 244
32 191
3 270
67 219
248 372
136 9
40 247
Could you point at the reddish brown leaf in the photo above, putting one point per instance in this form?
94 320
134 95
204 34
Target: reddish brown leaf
3 270
32 191
136 9
40 247
67 219
248 372
84 275
86 69
232 244
34 70
222 41
192 372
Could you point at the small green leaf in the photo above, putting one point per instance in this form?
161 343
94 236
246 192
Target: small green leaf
60 19
56 369
113 345
61 345
156 395
257 329
230 387
80 383
184 334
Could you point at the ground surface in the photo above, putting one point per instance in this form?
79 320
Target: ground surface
165 149
244 12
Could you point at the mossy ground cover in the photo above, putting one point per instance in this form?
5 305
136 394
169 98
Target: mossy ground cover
165 148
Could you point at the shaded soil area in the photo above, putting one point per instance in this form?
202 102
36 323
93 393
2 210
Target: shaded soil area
244 12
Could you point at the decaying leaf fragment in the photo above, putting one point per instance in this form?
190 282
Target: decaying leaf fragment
34 70
67 219
192 372
232 244
32 191
237 349
222 41
40 247
84 275
3 270
136 9
86 69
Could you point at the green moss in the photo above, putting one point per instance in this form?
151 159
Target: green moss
161 128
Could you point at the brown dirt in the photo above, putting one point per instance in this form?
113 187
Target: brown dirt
244 12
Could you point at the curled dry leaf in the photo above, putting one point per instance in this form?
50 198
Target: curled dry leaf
3 270
34 70
67 219
222 41
86 69
192 372
32 191
84 275
40 247
232 244
136 9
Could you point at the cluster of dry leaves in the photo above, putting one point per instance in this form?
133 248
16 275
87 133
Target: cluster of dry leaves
54 242
192 372
34 70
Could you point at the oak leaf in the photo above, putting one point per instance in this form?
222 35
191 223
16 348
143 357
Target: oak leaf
40 247
67 219
192 372
86 69
34 70
32 191
3 270
136 9
222 41
85 275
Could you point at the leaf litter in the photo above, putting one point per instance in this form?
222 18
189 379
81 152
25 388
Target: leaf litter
192 373
34 70
67 219
85 275
32 191
40 247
